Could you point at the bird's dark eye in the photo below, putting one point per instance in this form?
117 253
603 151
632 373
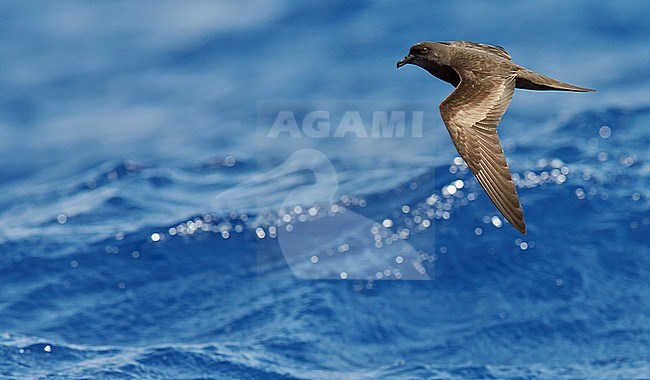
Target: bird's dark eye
419 50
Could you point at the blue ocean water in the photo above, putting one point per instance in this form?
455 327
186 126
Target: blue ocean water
139 230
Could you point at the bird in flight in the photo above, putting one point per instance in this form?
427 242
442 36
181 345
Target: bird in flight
485 79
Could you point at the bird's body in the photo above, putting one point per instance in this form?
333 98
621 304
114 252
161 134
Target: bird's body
485 79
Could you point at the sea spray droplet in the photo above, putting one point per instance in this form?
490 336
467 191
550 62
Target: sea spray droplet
605 132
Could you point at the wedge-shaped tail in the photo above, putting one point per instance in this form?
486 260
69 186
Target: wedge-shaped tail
530 80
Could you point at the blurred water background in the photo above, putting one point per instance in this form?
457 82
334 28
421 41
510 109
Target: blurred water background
126 253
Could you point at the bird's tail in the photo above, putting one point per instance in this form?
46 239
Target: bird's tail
530 80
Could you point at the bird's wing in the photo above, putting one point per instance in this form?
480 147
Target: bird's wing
471 114
493 49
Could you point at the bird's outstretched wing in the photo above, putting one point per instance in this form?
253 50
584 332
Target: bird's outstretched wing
471 114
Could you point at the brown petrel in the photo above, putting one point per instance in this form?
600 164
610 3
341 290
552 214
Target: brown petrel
485 79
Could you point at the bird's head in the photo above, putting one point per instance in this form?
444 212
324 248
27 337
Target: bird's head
423 54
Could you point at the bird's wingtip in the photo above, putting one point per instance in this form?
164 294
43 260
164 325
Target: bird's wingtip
521 227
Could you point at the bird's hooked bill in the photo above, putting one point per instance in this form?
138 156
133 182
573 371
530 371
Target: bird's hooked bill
405 60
